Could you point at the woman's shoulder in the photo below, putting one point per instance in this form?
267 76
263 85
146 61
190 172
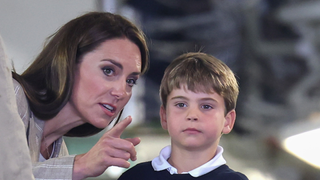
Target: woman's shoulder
22 102
16 85
18 91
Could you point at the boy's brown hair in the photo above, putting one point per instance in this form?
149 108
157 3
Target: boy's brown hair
201 72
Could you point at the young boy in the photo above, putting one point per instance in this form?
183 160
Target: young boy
198 94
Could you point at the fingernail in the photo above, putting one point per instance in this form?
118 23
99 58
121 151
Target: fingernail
134 158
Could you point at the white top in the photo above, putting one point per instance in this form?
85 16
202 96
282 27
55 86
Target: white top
160 163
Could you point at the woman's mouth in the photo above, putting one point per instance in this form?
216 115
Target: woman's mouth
108 107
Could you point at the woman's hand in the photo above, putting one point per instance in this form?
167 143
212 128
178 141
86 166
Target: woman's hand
110 150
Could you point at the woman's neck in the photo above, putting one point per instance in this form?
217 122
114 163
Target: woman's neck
59 125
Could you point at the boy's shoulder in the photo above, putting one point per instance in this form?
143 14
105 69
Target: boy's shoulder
142 166
225 173
135 172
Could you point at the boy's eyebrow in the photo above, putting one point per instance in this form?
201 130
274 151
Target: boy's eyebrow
208 99
179 97
202 99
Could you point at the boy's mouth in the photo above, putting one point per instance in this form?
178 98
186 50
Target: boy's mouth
192 130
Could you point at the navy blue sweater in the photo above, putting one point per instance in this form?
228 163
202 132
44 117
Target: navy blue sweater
144 171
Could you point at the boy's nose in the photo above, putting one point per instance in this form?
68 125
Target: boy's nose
192 115
193 118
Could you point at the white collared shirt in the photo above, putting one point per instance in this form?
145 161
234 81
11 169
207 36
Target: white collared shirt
160 163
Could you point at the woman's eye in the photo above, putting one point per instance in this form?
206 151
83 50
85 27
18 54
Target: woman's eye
181 105
108 71
206 107
132 82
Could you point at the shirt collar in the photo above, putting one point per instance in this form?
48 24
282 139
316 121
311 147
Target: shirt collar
160 163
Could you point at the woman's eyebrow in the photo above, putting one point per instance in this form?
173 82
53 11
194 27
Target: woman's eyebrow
114 62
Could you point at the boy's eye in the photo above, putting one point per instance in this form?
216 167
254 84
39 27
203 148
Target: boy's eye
107 71
131 82
206 107
181 105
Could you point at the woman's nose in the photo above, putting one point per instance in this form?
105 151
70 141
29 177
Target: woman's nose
119 91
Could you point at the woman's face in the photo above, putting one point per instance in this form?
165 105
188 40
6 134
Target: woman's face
104 80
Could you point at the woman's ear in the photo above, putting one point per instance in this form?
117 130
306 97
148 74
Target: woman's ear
230 119
163 118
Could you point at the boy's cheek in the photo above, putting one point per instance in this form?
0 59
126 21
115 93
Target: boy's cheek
163 118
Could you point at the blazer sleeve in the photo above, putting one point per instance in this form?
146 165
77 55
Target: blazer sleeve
54 168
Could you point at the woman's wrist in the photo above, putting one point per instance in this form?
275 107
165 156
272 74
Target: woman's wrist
78 170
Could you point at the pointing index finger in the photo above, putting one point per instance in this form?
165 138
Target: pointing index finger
118 129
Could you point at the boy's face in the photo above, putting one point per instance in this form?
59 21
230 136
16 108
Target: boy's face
195 121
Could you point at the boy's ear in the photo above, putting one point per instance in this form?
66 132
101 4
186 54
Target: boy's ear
229 122
163 118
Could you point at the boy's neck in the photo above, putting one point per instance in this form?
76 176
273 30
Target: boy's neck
186 160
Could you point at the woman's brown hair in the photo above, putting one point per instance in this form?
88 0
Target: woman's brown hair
48 81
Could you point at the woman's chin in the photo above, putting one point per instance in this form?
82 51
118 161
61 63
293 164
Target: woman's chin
101 124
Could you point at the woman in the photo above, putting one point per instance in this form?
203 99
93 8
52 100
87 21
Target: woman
76 86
